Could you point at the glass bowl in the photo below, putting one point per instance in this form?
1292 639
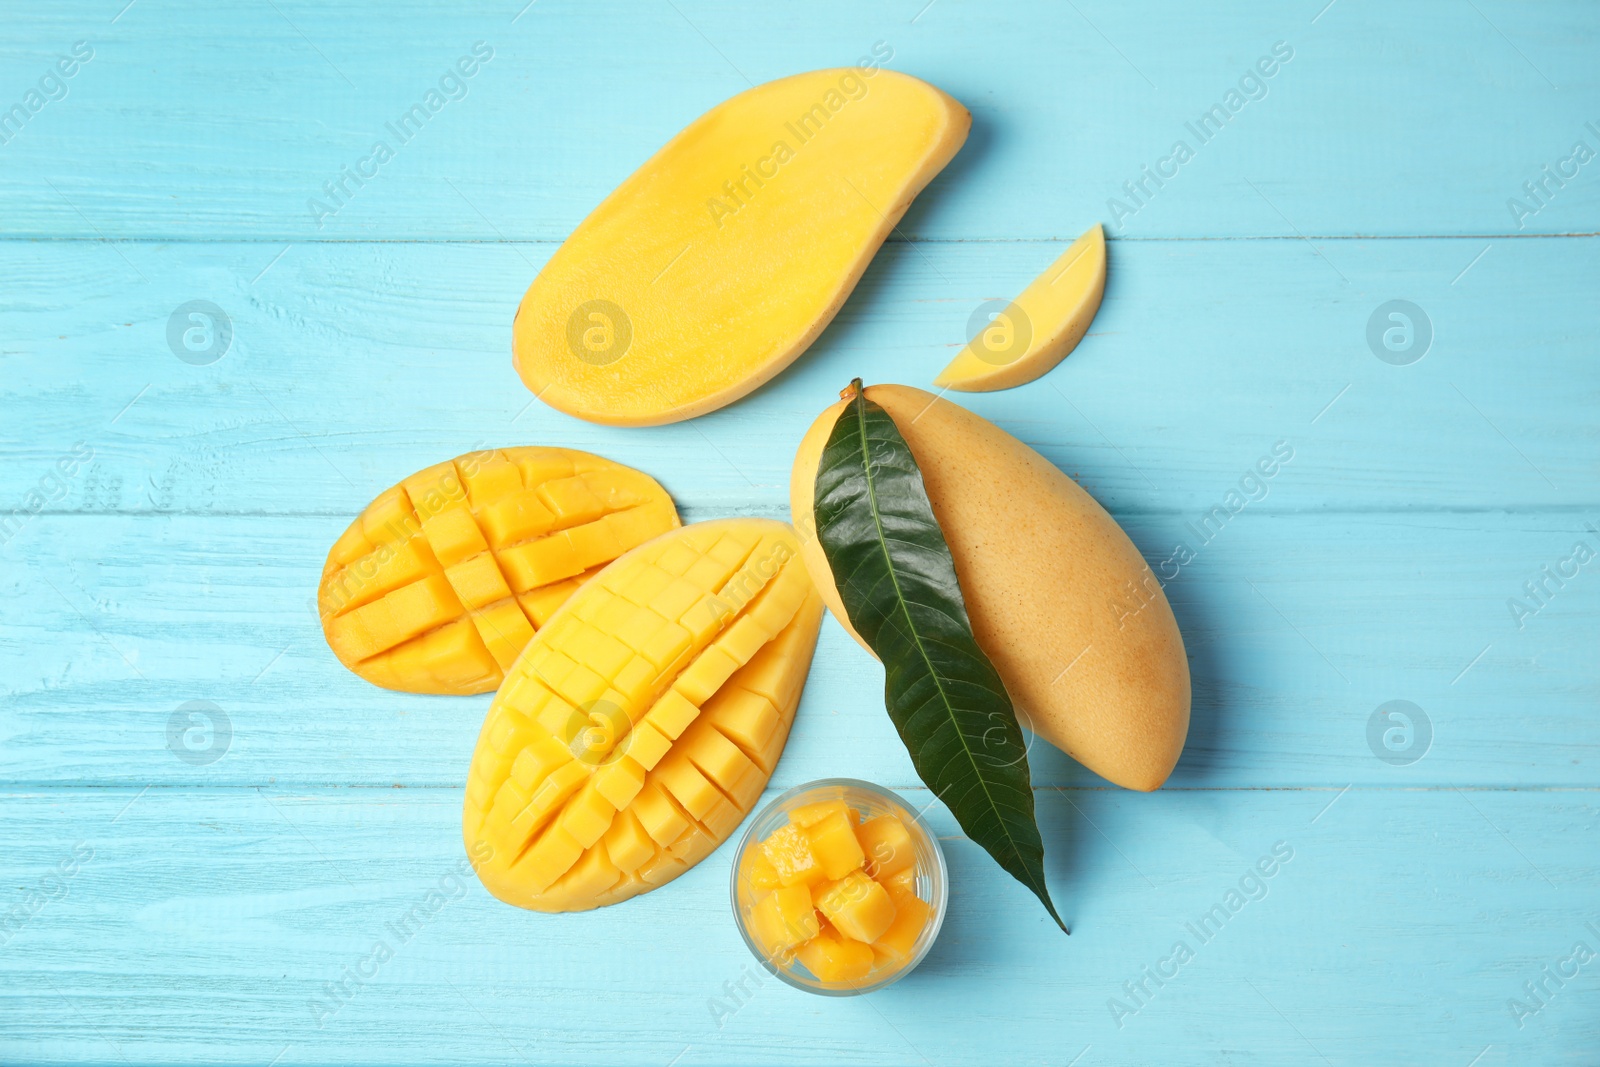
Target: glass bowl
931 878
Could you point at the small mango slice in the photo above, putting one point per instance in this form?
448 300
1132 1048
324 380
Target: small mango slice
1040 327
439 584
720 260
641 723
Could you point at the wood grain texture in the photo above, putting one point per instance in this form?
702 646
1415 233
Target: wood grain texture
179 561
208 925
1431 115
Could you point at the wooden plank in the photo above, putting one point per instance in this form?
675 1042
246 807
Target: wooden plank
351 366
225 121
207 926
1298 627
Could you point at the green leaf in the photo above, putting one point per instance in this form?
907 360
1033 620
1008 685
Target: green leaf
898 584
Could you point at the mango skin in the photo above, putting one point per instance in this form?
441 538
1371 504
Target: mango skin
722 258
1043 569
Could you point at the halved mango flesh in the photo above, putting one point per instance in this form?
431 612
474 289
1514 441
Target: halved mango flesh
641 723
1038 328
722 258
441 581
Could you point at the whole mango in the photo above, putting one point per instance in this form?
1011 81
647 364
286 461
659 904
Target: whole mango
1043 571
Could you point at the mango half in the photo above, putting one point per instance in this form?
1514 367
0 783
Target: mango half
721 259
1046 574
640 725
441 581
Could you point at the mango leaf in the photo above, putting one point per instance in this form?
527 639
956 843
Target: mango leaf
898 584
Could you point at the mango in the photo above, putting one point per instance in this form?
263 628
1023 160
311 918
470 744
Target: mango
857 906
835 958
784 918
893 946
886 846
641 723
1059 598
833 842
861 918
719 261
439 584
1040 327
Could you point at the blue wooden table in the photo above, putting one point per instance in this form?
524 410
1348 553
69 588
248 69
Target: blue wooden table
208 827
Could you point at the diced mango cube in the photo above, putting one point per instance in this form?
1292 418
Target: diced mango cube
620 782
516 517
748 719
453 535
832 958
658 814
705 675
762 874
646 745
490 475
898 940
550 857
806 814
542 755
627 843
833 842
859 907
901 885
887 844
571 500
665 645
718 758
587 815
672 714
783 918
505 631
591 876
687 785
789 852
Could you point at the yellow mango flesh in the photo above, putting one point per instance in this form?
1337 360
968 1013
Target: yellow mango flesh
1046 573
886 845
439 584
721 259
834 958
864 922
1039 327
641 723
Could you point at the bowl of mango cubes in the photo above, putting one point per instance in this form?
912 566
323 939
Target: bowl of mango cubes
839 887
